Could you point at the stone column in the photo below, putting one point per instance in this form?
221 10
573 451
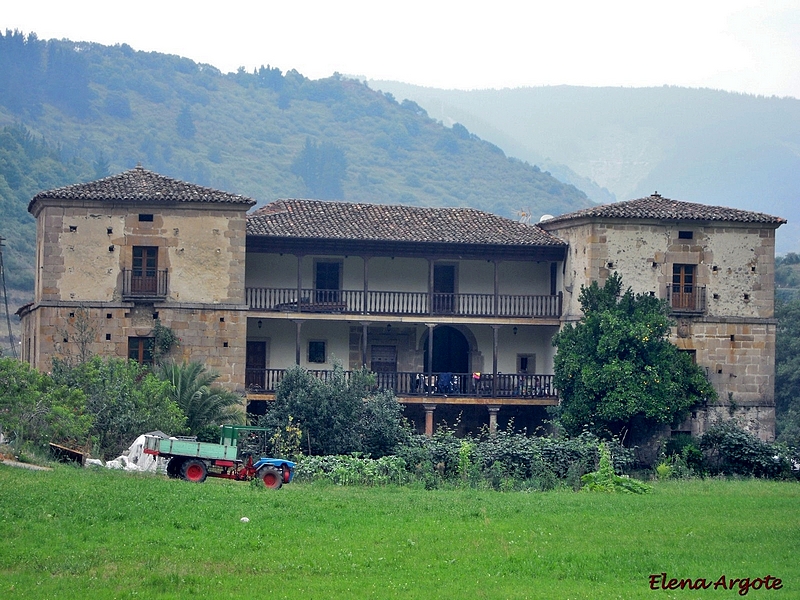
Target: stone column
493 410
364 326
299 324
429 408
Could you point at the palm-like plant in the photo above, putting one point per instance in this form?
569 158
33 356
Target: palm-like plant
203 403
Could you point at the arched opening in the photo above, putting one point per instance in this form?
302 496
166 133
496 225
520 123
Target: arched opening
450 350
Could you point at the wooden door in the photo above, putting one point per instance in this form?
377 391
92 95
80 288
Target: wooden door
444 287
683 287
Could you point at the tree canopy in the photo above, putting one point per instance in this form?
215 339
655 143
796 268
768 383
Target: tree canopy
337 415
616 370
787 372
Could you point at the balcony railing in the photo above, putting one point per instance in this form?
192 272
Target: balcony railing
404 303
420 384
690 299
137 284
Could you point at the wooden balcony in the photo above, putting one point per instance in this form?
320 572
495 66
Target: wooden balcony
404 303
413 387
143 284
686 299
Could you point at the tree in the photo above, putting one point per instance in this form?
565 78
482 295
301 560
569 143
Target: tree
322 168
78 329
616 370
337 415
206 406
125 400
185 124
37 410
787 372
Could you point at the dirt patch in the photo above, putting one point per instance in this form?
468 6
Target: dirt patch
22 465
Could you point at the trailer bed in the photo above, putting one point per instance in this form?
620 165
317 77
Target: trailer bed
178 447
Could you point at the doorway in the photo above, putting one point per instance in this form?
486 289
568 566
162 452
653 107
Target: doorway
450 350
444 289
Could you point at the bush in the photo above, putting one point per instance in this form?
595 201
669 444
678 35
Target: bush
506 459
124 399
36 409
353 470
339 415
730 450
605 480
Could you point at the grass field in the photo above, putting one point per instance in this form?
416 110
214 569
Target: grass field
76 534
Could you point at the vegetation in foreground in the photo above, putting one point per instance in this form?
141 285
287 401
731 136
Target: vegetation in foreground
73 533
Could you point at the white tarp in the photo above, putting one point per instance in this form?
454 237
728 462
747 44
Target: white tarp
135 459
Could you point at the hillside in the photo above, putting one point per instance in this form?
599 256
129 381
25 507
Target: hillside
95 110
698 145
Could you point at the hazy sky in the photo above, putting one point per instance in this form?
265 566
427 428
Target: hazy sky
739 45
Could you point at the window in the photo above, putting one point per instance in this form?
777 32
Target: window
327 281
526 363
316 351
685 235
140 349
144 274
444 288
146 217
384 359
683 288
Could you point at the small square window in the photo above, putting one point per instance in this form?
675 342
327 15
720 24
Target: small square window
224 344
109 316
685 235
145 217
73 228
108 337
316 351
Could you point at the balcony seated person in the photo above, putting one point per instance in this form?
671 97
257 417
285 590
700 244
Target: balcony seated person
445 385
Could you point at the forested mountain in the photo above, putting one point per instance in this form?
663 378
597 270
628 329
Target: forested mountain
77 111
698 145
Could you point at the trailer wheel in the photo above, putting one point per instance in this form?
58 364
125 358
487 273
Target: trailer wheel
174 467
272 477
194 470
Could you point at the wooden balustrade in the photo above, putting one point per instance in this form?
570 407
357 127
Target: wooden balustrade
403 303
483 385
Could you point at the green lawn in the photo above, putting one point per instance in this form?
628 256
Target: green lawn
99 534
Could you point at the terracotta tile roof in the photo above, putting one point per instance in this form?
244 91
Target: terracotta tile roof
349 221
140 185
658 207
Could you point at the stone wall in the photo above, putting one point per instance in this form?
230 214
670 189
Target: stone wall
215 337
82 251
734 338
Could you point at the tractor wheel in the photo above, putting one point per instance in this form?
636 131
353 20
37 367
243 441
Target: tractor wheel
194 470
272 477
174 467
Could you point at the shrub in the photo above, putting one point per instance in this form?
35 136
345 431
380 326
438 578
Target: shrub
37 410
338 415
605 480
352 470
730 450
124 399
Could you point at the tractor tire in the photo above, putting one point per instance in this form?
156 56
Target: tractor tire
174 467
194 470
272 477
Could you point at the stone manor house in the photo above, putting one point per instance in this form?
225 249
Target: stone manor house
453 308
